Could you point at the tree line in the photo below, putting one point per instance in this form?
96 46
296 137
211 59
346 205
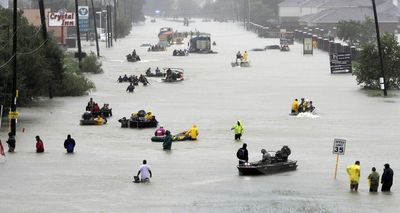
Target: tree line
43 69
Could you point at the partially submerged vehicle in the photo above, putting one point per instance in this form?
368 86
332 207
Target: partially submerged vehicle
173 75
201 43
240 64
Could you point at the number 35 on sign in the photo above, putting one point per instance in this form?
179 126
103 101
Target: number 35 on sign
339 146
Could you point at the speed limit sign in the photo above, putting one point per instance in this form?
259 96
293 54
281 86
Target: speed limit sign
339 146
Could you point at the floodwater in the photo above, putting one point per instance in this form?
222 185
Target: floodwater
201 176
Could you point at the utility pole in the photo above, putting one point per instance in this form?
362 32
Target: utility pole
110 21
95 29
378 40
78 34
44 35
115 20
14 80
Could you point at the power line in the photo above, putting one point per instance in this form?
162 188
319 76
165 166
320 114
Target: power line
35 50
6 63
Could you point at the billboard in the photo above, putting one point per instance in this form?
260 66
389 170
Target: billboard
61 18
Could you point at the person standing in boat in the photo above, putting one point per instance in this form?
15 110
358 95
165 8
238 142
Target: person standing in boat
245 56
295 106
242 154
354 175
238 127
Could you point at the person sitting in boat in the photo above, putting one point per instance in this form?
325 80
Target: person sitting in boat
245 56
134 53
158 71
242 154
160 131
305 106
295 106
87 116
95 109
301 105
131 88
192 133
124 122
149 116
239 56
310 107
120 80
175 53
148 71
266 157
99 120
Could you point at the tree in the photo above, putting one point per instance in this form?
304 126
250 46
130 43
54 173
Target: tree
368 72
41 68
355 32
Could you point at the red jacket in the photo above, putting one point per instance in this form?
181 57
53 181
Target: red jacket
39 146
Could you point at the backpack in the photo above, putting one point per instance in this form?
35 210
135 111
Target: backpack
240 153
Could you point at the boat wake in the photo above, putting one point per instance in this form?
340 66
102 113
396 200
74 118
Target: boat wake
307 115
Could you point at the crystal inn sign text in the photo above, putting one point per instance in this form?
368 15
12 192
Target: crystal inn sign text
61 18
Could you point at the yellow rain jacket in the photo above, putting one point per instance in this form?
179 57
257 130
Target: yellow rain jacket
193 132
149 116
295 106
245 56
99 121
354 173
238 128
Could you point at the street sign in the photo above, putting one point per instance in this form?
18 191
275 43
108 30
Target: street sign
13 115
340 62
307 46
339 146
83 15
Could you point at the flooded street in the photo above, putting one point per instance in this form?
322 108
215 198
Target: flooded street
202 176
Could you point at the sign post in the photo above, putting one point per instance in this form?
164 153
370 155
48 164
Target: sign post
339 147
340 62
307 46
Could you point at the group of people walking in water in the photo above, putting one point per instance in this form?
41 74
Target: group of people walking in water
69 144
354 172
